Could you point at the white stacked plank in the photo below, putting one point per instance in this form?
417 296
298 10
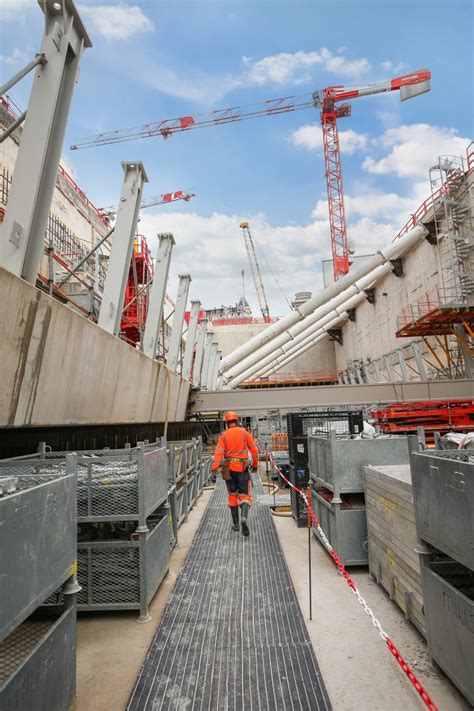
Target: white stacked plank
392 538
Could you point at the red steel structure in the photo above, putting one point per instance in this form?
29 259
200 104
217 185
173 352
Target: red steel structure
140 273
163 199
409 86
434 415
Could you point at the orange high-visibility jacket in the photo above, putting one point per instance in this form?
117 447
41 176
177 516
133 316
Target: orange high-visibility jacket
235 444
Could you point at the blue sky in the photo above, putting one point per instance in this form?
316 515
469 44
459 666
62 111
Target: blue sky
157 60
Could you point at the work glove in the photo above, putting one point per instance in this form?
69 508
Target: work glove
254 470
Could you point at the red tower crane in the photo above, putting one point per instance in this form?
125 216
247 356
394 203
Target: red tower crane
409 86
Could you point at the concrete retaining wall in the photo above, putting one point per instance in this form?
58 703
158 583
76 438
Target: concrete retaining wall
58 368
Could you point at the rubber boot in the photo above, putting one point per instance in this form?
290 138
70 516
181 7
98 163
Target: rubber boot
244 509
235 517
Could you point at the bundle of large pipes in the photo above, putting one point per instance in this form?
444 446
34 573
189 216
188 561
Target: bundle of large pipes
312 321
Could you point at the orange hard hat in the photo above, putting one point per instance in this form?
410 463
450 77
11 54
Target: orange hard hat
230 416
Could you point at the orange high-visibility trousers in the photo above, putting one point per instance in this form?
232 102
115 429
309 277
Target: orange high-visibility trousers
238 487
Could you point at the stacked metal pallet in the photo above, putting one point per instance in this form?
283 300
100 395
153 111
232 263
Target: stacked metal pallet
443 492
38 643
124 531
336 463
188 472
299 425
392 537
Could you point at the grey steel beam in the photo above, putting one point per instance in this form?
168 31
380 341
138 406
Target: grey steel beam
390 371
211 366
190 340
178 320
199 352
252 399
415 346
206 358
110 314
215 376
157 294
36 166
403 365
377 371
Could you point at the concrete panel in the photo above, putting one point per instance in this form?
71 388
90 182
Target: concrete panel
59 368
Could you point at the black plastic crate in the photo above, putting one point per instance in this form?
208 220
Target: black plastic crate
349 422
299 476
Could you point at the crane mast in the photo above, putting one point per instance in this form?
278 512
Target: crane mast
254 266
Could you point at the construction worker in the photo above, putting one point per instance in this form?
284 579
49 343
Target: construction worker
232 454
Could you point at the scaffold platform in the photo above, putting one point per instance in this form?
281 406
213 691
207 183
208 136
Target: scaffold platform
232 635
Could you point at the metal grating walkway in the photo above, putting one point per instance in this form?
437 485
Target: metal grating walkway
232 635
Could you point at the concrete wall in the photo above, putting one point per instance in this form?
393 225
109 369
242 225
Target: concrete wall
320 357
58 368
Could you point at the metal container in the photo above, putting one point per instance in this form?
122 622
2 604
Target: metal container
116 485
443 491
449 606
38 533
344 524
301 424
392 538
337 461
38 664
183 458
298 475
124 575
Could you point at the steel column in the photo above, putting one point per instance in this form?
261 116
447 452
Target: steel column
190 340
403 365
465 349
178 320
36 167
207 357
415 346
157 294
378 372
199 352
390 371
110 314
215 374
212 365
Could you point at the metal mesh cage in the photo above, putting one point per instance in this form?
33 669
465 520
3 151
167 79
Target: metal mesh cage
31 474
16 647
111 488
300 424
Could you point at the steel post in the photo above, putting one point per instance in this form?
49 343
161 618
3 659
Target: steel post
190 340
415 346
178 320
215 374
390 371
212 365
110 315
36 167
403 365
199 352
157 294
206 358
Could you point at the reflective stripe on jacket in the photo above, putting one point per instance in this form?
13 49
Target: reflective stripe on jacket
235 444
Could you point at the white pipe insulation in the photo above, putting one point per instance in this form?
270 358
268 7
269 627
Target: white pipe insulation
247 367
297 349
281 364
394 250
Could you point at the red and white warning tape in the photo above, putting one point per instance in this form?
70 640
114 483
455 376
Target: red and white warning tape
391 646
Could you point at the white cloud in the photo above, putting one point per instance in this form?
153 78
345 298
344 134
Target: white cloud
311 138
14 10
17 56
118 21
395 67
292 68
414 148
